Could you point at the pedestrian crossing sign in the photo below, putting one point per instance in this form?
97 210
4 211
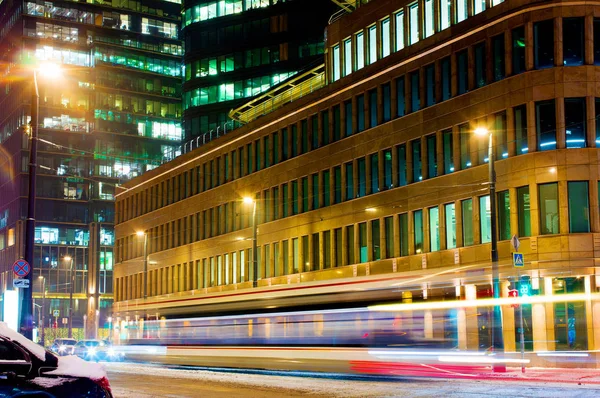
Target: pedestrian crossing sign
518 260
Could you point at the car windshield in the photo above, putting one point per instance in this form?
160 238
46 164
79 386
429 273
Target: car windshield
66 342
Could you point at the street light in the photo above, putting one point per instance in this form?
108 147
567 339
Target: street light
248 201
26 320
497 337
145 235
43 334
72 277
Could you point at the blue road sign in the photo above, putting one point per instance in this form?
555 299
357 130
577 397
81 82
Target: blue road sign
518 260
21 268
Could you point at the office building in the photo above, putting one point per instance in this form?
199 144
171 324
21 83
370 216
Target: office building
376 187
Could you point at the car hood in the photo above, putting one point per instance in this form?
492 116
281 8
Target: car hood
72 366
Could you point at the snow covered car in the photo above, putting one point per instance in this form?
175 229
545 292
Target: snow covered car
63 346
27 369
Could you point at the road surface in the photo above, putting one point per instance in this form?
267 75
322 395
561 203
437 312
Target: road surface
145 381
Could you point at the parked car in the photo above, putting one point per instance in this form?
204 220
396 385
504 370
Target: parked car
27 369
97 350
63 346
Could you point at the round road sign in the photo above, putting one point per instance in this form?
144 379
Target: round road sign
21 268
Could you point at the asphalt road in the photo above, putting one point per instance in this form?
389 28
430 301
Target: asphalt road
144 381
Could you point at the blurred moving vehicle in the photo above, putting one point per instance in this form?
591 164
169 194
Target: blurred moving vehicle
27 369
63 346
97 350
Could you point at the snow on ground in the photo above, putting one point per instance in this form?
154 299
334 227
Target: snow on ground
129 379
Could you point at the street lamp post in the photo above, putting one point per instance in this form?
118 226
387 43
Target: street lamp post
26 318
248 200
72 277
43 334
497 337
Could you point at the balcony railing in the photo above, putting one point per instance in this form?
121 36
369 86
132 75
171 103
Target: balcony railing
289 91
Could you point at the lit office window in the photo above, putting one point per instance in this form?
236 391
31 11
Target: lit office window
429 18
362 242
445 7
336 63
349 181
347 57
372 44
523 211
414 22
496 2
573 41
579 207
478 6
543 44
467 222
385 37
548 202
450 226
503 215
418 230
399 16
448 151
485 219
545 120
575 117
359 51
434 229
462 10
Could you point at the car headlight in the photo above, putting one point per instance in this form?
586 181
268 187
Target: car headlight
91 351
111 352
62 348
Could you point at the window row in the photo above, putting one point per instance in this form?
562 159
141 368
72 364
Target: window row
230 62
450 225
446 151
215 9
136 61
234 90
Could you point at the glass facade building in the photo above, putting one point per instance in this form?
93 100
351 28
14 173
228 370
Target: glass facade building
113 114
238 49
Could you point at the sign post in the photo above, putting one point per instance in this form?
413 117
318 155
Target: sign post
519 262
